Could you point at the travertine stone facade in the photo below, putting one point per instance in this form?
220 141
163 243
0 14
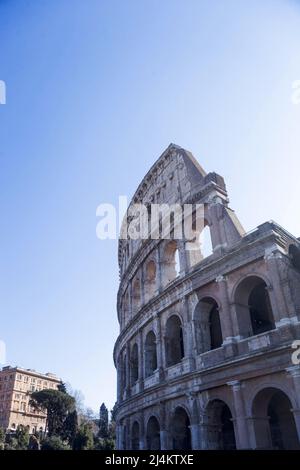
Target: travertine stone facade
16 384
204 353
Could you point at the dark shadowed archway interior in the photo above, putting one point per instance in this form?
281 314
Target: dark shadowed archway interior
150 354
180 430
220 429
274 422
174 341
135 436
153 434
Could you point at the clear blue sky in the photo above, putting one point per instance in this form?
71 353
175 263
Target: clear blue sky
96 90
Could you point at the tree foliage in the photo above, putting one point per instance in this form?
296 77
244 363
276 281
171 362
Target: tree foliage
103 422
54 443
57 405
84 439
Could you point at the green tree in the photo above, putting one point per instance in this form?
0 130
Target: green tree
11 443
70 427
84 439
54 443
22 437
104 444
62 387
57 405
2 439
103 422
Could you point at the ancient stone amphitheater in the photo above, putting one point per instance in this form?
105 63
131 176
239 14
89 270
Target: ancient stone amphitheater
204 354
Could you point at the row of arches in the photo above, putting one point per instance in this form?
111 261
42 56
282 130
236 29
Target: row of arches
159 274
254 317
274 427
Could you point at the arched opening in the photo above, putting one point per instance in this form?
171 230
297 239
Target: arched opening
201 247
205 242
135 436
274 422
254 311
180 430
174 341
136 295
220 429
134 362
207 325
150 354
171 264
153 434
150 280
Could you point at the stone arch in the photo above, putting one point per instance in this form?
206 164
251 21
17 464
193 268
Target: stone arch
153 434
134 364
220 434
135 436
174 344
150 274
150 353
253 306
170 262
274 424
207 325
274 384
180 429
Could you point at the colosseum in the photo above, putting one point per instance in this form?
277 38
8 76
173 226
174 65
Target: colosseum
206 354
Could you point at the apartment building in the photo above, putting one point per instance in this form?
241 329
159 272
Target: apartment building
16 385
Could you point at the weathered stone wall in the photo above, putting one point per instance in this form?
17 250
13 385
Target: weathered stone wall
223 325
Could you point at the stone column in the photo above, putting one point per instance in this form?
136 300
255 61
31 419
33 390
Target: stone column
143 443
164 435
225 311
158 258
128 371
142 284
188 333
120 433
119 381
159 347
242 438
182 257
195 436
277 299
118 446
141 360
294 373
194 426
215 211
130 306
128 434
